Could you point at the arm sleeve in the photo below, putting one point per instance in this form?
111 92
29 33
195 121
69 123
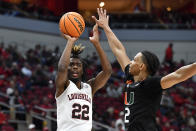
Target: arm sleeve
127 71
128 76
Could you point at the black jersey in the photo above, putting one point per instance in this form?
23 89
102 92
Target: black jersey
142 100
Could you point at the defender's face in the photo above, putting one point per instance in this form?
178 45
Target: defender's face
136 64
75 69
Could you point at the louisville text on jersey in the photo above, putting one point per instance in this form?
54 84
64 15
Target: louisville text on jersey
79 96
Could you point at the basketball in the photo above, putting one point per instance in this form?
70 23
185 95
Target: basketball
72 23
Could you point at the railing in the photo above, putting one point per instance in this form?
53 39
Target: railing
97 125
4 95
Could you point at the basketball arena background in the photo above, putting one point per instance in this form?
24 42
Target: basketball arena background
30 47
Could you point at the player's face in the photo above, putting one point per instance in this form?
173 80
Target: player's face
136 65
75 69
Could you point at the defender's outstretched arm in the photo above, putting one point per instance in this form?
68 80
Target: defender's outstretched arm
114 43
178 76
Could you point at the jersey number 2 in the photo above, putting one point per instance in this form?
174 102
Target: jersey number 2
80 112
127 111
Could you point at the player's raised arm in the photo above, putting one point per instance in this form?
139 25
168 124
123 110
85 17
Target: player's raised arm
115 45
62 77
100 80
178 76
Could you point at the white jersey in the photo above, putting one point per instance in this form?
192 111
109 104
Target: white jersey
74 108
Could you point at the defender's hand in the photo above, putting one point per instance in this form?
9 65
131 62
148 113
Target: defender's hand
95 38
103 18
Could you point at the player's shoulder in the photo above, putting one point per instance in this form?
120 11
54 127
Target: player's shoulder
152 83
153 79
86 85
87 88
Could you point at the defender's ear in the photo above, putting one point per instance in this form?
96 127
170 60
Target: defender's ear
143 66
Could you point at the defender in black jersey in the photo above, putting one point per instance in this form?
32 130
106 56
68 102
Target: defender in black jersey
143 89
142 99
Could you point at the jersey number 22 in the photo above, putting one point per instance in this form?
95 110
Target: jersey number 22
80 112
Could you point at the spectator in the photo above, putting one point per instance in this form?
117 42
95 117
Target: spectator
2 118
7 127
31 127
26 70
158 123
112 91
169 54
167 100
119 124
191 120
45 128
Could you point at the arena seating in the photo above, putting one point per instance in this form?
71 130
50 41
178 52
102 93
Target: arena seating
161 19
28 82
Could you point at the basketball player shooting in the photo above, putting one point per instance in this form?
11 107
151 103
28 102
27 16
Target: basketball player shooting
74 96
143 89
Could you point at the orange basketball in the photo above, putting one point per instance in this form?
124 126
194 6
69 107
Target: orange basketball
72 24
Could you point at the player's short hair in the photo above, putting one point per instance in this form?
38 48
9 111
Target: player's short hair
75 53
151 61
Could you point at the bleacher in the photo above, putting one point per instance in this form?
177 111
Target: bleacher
137 20
27 75
27 93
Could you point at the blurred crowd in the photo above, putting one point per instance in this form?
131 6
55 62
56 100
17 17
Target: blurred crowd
157 19
178 106
28 9
177 20
28 80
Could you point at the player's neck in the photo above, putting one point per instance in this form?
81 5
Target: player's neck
142 76
78 84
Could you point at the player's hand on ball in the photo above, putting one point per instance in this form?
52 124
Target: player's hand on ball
103 18
69 38
95 38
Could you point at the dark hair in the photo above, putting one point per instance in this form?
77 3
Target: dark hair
151 61
170 44
76 51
